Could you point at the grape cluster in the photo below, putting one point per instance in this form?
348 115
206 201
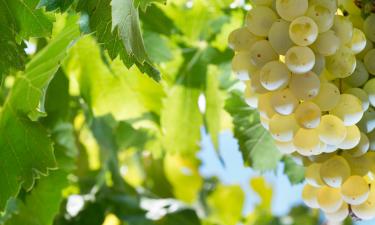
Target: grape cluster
308 71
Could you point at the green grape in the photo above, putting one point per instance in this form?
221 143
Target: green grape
291 9
261 53
303 31
366 210
250 96
361 95
265 122
278 36
370 90
242 39
352 138
358 42
369 27
274 76
343 28
350 7
284 102
331 130
320 63
260 19
369 46
312 175
359 76
242 66
300 59
349 109
304 86
339 215
358 165
355 190
327 43
322 16
328 97
256 85
308 115
329 199
283 128
367 123
309 196
330 4
369 61
362 147
264 106
307 142
342 64
335 171
285 147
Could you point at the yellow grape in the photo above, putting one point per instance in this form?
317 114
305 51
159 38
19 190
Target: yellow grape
355 190
312 175
283 128
335 171
362 147
308 115
307 142
305 86
242 39
331 130
339 215
366 210
329 199
274 76
309 196
328 97
349 109
352 138
284 102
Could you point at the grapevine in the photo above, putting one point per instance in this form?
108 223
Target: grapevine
308 67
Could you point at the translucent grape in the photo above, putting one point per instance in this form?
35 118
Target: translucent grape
320 63
274 76
284 102
265 122
303 31
308 115
358 165
242 39
260 19
262 2
359 76
352 138
264 106
366 210
250 96
342 64
327 43
355 190
283 128
361 95
242 66
362 147
309 196
305 86
343 28
330 4
358 41
291 9
278 36
369 46
322 16
300 59
335 171
329 199
339 215
349 109
370 90
328 97
307 142
369 27
312 175
369 61
261 53
331 130
285 147
367 123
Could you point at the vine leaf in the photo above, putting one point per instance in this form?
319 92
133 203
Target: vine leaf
143 4
52 5
26 149
256 144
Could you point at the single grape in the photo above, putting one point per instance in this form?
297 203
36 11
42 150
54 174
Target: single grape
251 97
265 122
335 171
369 61
278 36
274 76
328 97
358 42
342 64
329 199
284 102
242 66
355 190
343 29
264 106
307 142
352 138
361 95
255 83
320 64
305 86
285 147
312 175
242 39
369 46
283 128
322 16
308 115
349 109
366 210
339 215
358 165
331 130
369 27
303 31
300 59
359 76
362 147
260 19
309 196
330 4
367 123
291 9
261 53
327 43
370 90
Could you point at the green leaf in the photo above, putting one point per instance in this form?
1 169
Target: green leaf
295 172
146 3
42 204
26 147
52 5
256 144
125 38
127 136
157 47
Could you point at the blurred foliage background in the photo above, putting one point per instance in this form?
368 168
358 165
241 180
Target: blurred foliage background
116 97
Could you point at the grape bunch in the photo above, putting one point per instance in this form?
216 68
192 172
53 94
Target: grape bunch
308 66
